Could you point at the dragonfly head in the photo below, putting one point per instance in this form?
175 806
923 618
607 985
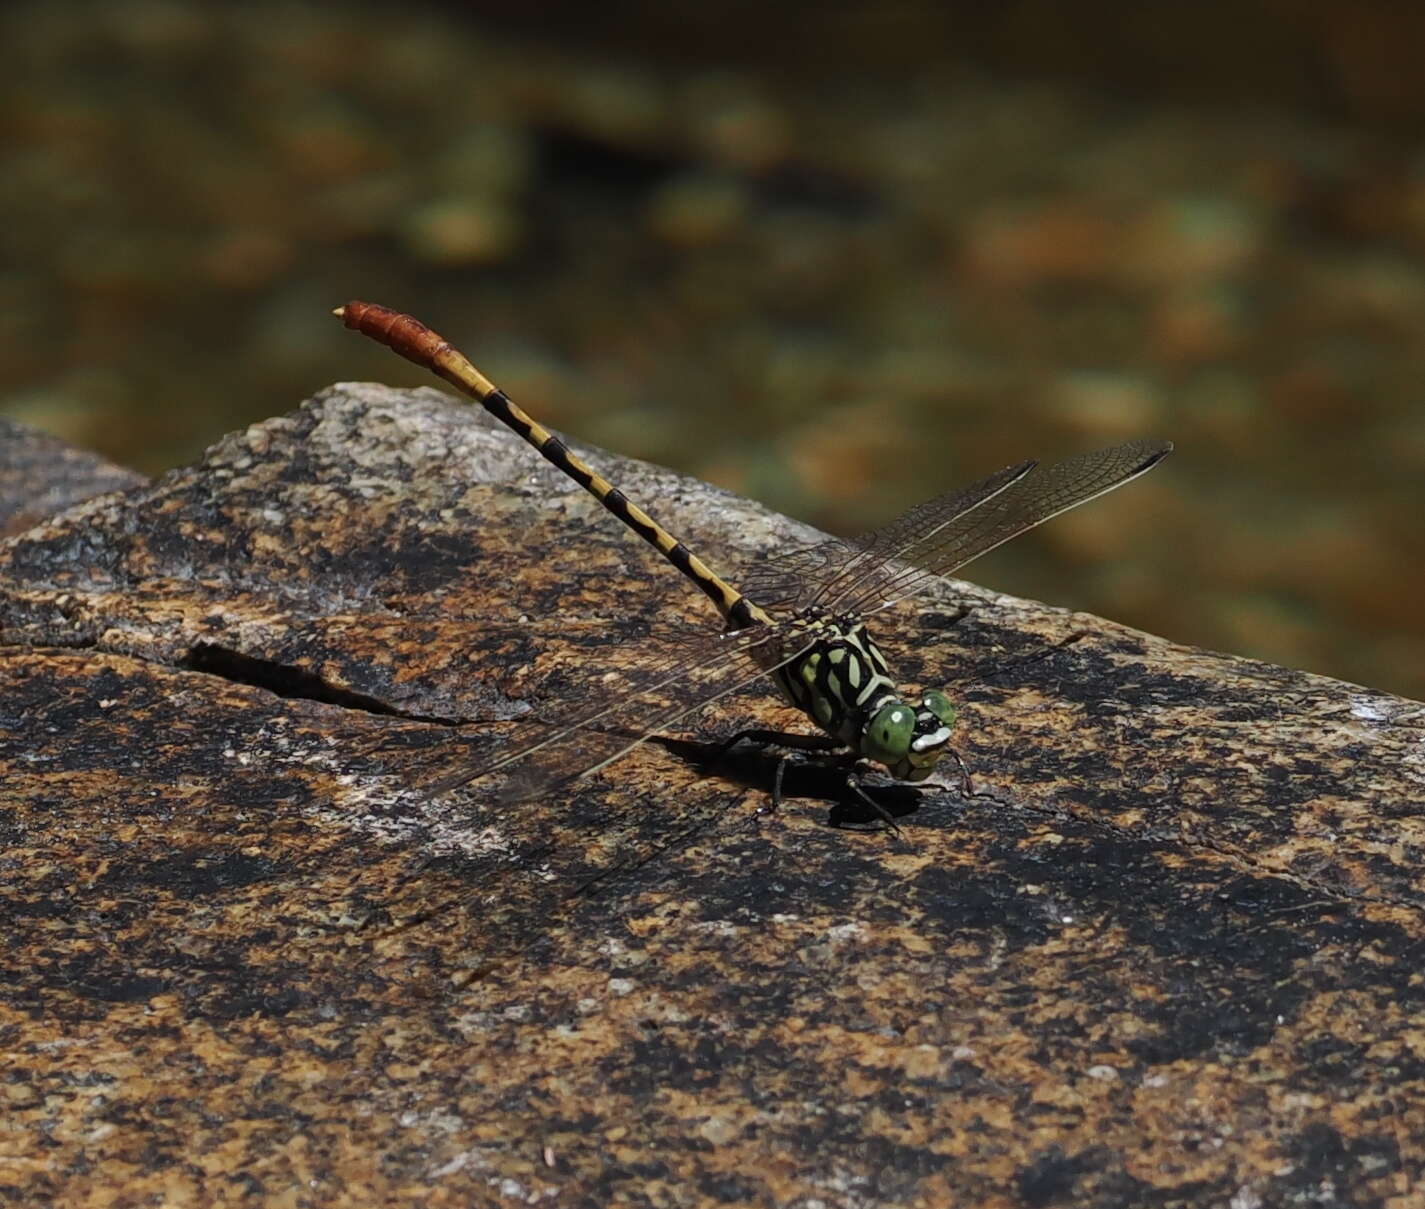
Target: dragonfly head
908 739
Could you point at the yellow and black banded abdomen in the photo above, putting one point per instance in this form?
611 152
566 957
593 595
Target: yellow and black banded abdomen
416 342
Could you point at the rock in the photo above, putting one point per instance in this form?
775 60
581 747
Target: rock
40 475
1168 949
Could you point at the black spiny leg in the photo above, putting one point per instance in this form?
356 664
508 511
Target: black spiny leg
781 738
967 789
853 783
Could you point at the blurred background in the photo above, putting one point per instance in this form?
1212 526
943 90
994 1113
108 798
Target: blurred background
836 257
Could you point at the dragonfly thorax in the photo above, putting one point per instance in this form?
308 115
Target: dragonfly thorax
841 683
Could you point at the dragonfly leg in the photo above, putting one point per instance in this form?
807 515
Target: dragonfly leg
853 783
777 783
967 788
780 738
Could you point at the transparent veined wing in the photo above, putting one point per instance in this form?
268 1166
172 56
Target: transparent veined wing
812 574
618 711
1028 500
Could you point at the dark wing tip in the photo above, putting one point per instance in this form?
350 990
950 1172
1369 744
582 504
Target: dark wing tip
1154 452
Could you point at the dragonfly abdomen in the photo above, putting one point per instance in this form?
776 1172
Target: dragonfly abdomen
416 342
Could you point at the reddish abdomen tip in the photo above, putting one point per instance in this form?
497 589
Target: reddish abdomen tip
401 333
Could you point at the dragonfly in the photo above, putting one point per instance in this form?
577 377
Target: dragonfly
799 618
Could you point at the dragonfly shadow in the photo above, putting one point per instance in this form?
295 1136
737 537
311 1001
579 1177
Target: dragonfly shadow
805 777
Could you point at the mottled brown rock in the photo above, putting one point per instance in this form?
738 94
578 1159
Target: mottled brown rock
1169 952
41 475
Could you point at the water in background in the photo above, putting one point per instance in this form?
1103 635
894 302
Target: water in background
836 291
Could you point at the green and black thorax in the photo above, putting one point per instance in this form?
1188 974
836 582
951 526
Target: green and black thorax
841 683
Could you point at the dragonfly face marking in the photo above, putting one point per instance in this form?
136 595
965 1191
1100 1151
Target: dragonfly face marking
796 617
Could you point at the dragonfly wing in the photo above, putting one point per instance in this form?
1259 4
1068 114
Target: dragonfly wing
628 708
585 752
790 580
949 542
817 574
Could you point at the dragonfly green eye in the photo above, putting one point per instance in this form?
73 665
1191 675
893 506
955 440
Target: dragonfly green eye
939 705
889 734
